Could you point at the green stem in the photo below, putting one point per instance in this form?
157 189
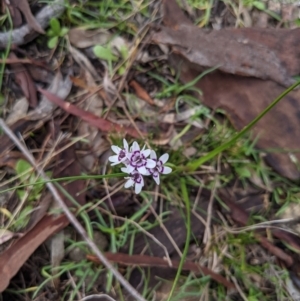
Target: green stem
188 235
74 178
198 162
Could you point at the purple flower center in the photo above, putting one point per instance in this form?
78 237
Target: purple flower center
136 177
122 155
159 166
137 159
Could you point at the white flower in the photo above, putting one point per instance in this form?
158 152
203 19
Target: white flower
136 180
159 167
136 164
138 160
121 154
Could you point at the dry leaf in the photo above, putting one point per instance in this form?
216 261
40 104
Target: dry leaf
141 92
6 235
96 121
96 144
13 258
83 38
83 62
25 33
150 261
23 6
45 108
18 111
25 81
262 53
243 98
57 255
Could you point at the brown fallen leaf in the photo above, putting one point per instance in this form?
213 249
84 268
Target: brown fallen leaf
265 54
23 6
100 123
141 92
43 226
150 261
243 98
83 38
15 14
21 61
291 239
25 81
13 258
37 117
18 111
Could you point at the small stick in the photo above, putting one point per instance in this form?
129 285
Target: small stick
69 214
25 33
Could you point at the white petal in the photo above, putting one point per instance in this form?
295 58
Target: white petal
153 154
113 159
148 173
156 179
164 158
129 183
125 145
115 149
150 163
135 147
142 182
146 152
138 188
142 170
125 169
128 169
167 170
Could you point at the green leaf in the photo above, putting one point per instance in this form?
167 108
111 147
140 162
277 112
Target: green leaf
23 218
243 172
22 166
52 42
64 31
21 194
104 53
297 22
50 33
124 51
121 70
55 26
2 99
259 5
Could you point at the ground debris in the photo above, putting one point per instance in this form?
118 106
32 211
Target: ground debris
241 89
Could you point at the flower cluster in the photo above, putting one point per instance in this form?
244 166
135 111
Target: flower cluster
138 163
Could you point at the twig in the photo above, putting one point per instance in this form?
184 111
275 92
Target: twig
69 214
161 224
25 33
97 297
151 236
